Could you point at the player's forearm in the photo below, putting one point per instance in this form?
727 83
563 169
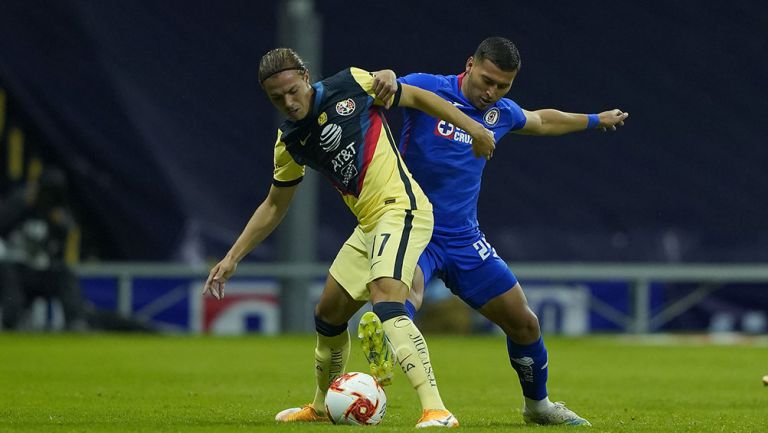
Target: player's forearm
555 122
262 223
439 108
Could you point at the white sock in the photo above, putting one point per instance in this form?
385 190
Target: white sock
538 406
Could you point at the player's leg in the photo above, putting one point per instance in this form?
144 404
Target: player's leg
392 270
416 294
510 311
527 353
528 356
482 279
60 282
12 297
332 313
343 294
429 263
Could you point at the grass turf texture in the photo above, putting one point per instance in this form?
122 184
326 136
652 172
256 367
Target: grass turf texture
108 383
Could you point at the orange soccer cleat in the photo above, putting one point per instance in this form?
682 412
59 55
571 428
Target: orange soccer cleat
306 413
437 418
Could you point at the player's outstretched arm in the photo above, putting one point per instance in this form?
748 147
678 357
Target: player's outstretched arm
483 142
555 122
263 221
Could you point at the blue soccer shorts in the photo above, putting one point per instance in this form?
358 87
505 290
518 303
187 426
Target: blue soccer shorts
468 265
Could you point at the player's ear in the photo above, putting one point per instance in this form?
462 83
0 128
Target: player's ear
470 62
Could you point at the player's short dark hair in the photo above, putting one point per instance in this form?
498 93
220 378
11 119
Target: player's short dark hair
501 51
279 60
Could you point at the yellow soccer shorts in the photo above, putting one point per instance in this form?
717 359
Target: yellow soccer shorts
391 249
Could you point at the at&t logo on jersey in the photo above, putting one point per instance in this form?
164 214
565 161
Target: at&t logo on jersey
449 131
330 137
344 163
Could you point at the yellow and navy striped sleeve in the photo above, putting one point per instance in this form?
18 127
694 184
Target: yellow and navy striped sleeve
365 80
287 171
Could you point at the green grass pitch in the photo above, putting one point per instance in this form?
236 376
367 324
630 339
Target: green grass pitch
108 383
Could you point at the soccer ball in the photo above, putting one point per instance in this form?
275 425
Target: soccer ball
356 399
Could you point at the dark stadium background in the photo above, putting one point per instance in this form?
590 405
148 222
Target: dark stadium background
154 111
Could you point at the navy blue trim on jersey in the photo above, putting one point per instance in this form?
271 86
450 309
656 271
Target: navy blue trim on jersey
283 184
403 245
319 93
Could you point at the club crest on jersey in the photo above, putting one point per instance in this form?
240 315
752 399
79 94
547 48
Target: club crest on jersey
330 137
449 131
491 116
345 107
445 129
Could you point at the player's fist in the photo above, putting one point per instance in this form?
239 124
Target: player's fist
610 119
483 142
385 86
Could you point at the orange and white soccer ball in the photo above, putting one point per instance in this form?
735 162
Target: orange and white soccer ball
356 399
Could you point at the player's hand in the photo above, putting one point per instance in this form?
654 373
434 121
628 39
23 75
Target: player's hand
218 277
610 119
385 86
483 142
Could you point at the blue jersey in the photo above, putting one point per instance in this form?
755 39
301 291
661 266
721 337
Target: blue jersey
439 155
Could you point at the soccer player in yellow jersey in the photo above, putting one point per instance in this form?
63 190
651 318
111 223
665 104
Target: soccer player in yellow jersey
336 126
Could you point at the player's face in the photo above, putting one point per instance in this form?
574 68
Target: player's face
290 92
485 83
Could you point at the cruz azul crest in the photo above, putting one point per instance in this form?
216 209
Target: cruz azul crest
491 117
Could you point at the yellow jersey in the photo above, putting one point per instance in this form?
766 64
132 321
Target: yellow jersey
346 138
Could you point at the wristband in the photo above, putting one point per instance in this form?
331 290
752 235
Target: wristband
592 121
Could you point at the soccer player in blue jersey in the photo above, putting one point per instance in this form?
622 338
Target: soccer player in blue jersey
440 158
336 126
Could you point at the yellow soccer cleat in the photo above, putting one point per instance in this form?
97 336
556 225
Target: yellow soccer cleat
306 413
437 418
377 348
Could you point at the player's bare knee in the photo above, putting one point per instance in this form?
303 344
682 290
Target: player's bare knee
324 309
336 305
532 324
328 314
523 329
387 290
